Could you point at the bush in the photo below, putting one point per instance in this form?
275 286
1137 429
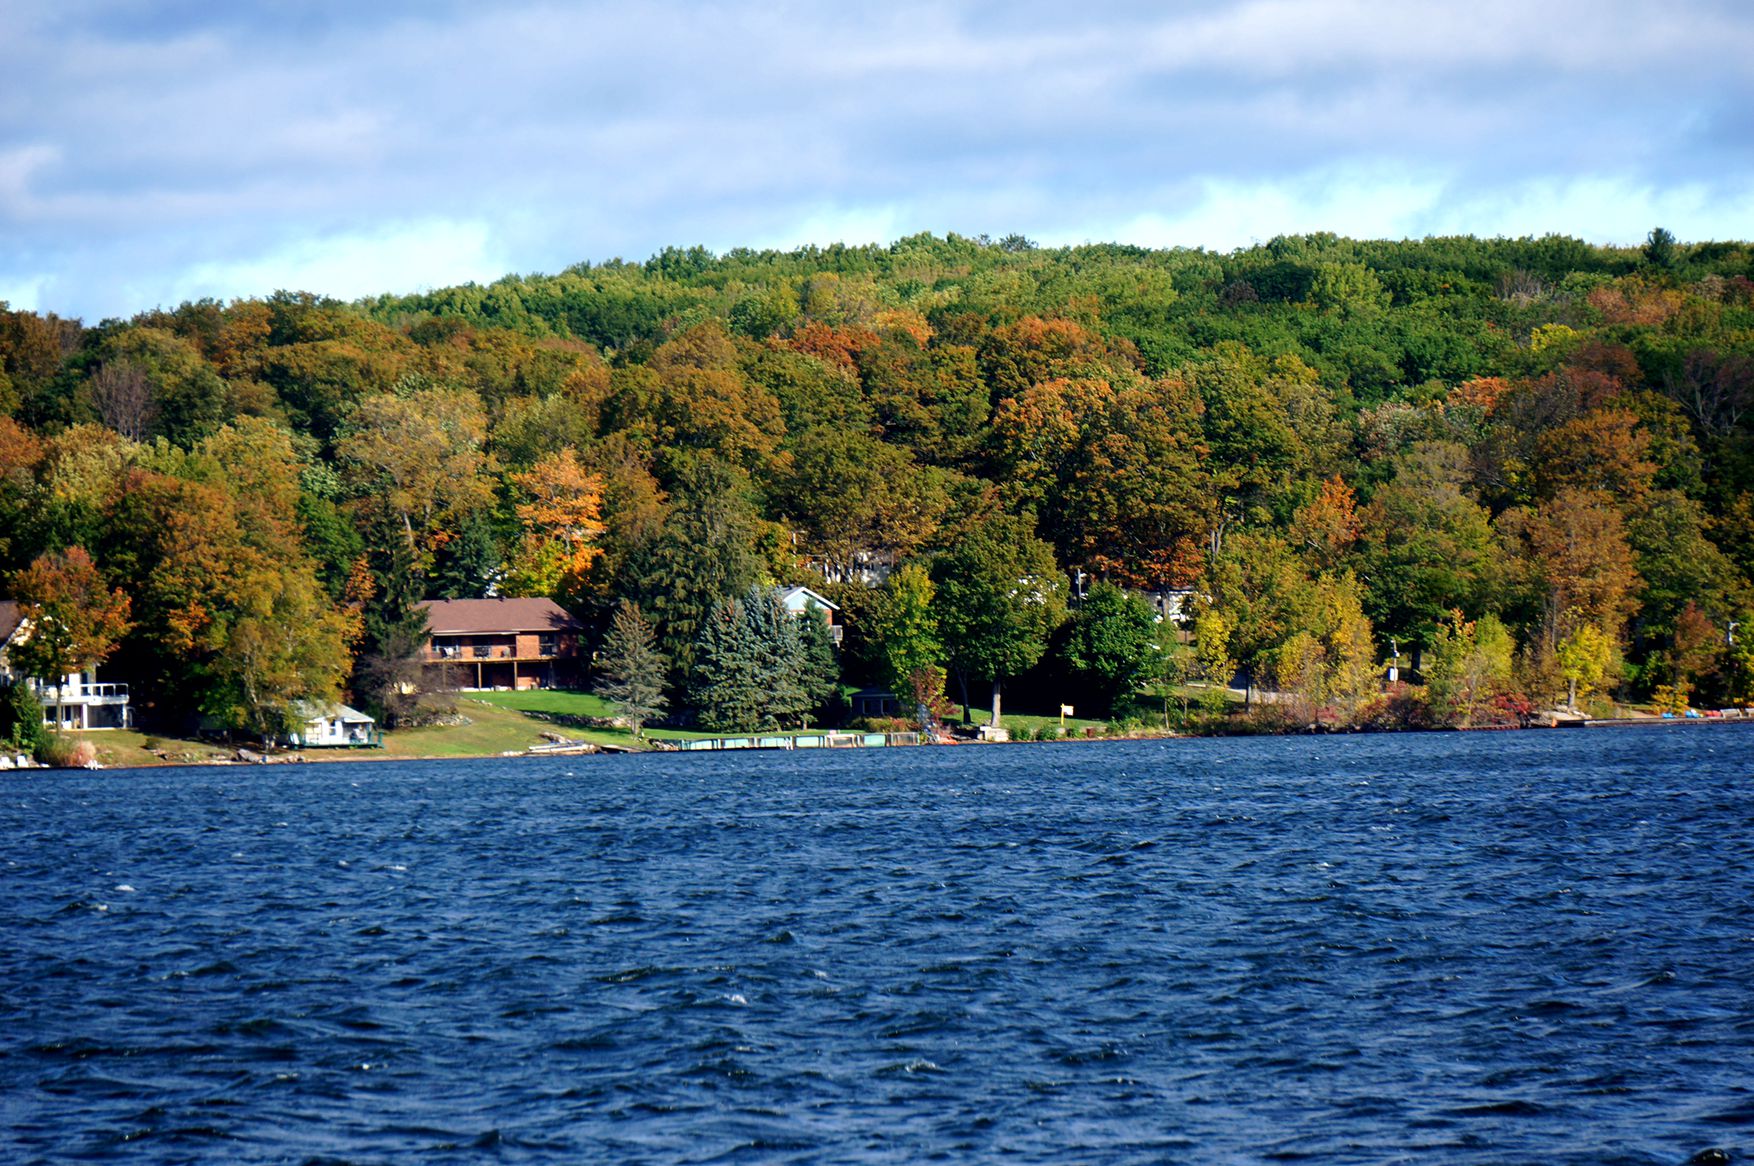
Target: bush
1400 706
64 752
1048 732
21 719
883 725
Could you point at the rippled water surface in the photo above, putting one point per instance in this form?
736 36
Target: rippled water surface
1496 948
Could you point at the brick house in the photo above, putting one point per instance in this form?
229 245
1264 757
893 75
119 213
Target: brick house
501 643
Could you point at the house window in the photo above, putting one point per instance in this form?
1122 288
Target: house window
548 646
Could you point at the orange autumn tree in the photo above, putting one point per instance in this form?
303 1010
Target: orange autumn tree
1328 524
562 521
72 619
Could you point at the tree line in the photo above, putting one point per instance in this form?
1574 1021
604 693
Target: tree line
1522 463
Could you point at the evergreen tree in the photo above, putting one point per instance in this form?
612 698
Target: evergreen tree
388 673
631 669
466 563
728 689
821 662
705 555
779 658
753 668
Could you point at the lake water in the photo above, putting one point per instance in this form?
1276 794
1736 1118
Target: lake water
1462 948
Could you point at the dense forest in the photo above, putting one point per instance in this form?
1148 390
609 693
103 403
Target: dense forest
1524 464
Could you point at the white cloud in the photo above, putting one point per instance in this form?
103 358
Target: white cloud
23 293
155 152
1368 204
1229 214
853 226
401 257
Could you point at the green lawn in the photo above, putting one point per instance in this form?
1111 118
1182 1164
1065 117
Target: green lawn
126 749
556 702
493 729
1075 726
553 701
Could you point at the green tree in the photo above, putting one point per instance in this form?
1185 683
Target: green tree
1268 424
21 718
727 689
1466 663
1350 289
1425 546
904 628
1001 596
631 669
705 553
749 665
1659 248
279 651
1111 643
820 665
780 660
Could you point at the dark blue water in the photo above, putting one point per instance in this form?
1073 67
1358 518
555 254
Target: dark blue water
1505 948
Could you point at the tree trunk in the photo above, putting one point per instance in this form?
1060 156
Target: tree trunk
995 702
1571 694
967 713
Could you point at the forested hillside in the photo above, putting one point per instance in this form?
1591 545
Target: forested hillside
1527 460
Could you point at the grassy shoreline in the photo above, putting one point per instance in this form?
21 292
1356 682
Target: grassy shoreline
510 724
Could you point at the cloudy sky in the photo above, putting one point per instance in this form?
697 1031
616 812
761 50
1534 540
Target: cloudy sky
156 152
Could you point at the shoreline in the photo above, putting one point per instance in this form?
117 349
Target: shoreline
593 749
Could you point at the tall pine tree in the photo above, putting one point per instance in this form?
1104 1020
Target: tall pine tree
820 674
728 691
631 669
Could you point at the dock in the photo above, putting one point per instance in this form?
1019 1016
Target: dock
797 741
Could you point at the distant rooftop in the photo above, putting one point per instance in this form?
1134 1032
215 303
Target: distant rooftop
451 617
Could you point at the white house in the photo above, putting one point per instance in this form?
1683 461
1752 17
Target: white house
334 724
798 600
82 701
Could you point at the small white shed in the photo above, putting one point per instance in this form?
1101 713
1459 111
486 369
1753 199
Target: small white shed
334 724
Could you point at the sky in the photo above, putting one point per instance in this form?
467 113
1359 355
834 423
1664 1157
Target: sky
156 152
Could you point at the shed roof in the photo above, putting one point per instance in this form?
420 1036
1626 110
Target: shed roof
311 713
450 617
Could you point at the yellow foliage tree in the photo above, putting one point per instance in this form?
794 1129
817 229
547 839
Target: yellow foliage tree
562 521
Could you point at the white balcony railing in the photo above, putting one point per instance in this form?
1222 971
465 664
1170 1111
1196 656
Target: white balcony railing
105 693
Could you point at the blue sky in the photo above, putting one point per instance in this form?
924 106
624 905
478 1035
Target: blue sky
156 152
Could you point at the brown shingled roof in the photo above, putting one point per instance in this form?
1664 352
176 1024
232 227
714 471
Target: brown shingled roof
8 618
450 617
